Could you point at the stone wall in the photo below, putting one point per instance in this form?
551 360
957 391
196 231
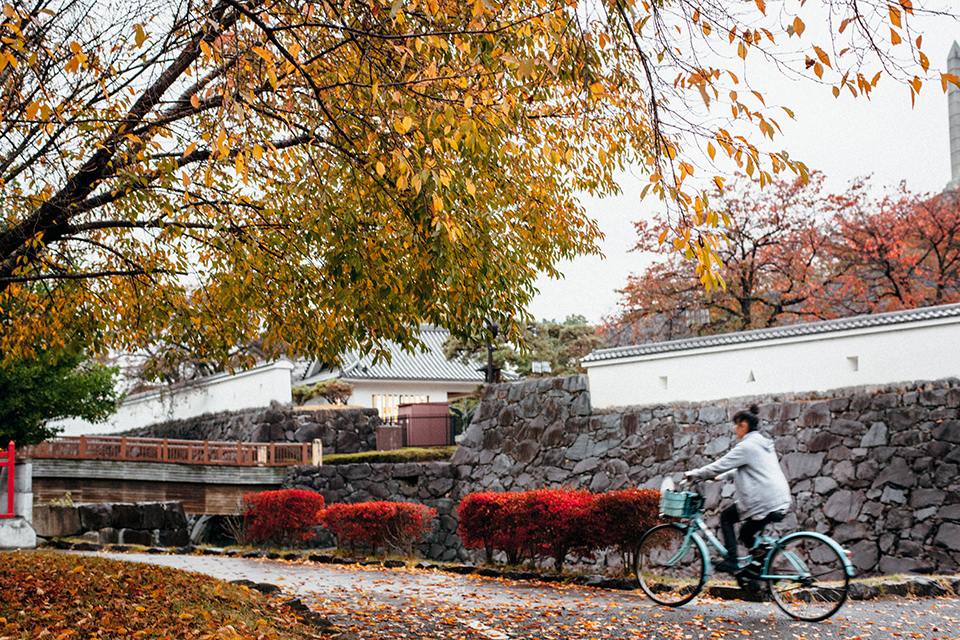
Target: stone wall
876 468
145 523
432 484
341 431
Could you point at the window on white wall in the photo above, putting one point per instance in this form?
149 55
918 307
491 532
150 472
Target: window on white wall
663 382
854 363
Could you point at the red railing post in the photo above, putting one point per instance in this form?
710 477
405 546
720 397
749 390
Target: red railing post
239 453
123 448
163 450
273 454
11 472
83 447
206 451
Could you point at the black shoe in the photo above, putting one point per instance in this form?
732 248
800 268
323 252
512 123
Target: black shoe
728 565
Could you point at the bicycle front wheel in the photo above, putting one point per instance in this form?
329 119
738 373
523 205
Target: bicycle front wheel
807 577
670 565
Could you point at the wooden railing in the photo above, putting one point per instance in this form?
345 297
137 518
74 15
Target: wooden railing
269 454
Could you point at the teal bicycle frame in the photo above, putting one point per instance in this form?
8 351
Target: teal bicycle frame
697 526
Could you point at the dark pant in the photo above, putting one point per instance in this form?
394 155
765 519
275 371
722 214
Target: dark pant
748 531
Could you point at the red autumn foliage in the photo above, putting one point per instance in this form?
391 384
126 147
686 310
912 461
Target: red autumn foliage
794 253
283 516
481 516
622 517
555 522
398 525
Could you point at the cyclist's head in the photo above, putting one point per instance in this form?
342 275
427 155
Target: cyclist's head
750 416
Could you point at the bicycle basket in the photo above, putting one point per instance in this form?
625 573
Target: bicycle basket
680 504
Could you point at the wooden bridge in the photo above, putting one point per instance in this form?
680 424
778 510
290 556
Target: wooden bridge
207 477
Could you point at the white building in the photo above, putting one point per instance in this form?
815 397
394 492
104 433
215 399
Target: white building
919 344
423 376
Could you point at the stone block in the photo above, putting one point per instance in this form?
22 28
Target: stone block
16 533
862 591
95 516
141 537
823 441
920 498
108 535
127 516
947 431
843 506
844 427
799 466
948 536
173 537
925 587
897 473
153 515
54 522
876 436
864 556
815 414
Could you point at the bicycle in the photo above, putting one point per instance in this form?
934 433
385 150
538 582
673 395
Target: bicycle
807 573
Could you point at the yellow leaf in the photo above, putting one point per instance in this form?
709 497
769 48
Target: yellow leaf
711 150
895 37
32 109
742 50
762 6
836 92
205 48
381 169
190 149
140 35
468 102
818 69
263 53
895 16
798 26
257 151
75 47
471 189
663 236
824 58
924 61
916 83
195 101
947 79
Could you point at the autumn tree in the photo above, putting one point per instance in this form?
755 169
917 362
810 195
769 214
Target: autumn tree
775 239
897 251
322 175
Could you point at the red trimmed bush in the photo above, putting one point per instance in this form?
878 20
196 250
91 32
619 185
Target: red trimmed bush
559 522
622 517
398 525
283 516
556 522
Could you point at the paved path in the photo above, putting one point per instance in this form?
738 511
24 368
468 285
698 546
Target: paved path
421 605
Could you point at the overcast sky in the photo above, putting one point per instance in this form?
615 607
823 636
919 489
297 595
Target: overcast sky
845 138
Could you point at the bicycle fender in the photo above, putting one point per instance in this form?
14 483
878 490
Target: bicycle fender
847 566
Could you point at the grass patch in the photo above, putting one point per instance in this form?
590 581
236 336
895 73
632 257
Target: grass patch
64 595
410 454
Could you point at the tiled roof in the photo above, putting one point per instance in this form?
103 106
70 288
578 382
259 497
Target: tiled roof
427 365
775 333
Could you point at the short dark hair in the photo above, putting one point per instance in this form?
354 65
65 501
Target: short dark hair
750 416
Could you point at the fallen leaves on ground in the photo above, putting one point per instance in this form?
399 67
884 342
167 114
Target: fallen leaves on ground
55 596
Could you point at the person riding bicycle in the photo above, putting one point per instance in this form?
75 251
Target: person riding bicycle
763 495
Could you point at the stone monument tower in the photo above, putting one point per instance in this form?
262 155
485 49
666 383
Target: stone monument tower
953 106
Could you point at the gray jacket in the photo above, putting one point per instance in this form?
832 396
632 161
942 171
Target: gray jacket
761 486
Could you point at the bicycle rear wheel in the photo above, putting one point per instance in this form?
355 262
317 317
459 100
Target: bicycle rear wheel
807 577
670 566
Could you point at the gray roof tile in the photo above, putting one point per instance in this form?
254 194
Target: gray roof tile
427 365
775 333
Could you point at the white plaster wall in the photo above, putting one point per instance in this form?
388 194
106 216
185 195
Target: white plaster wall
251 389
916 351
